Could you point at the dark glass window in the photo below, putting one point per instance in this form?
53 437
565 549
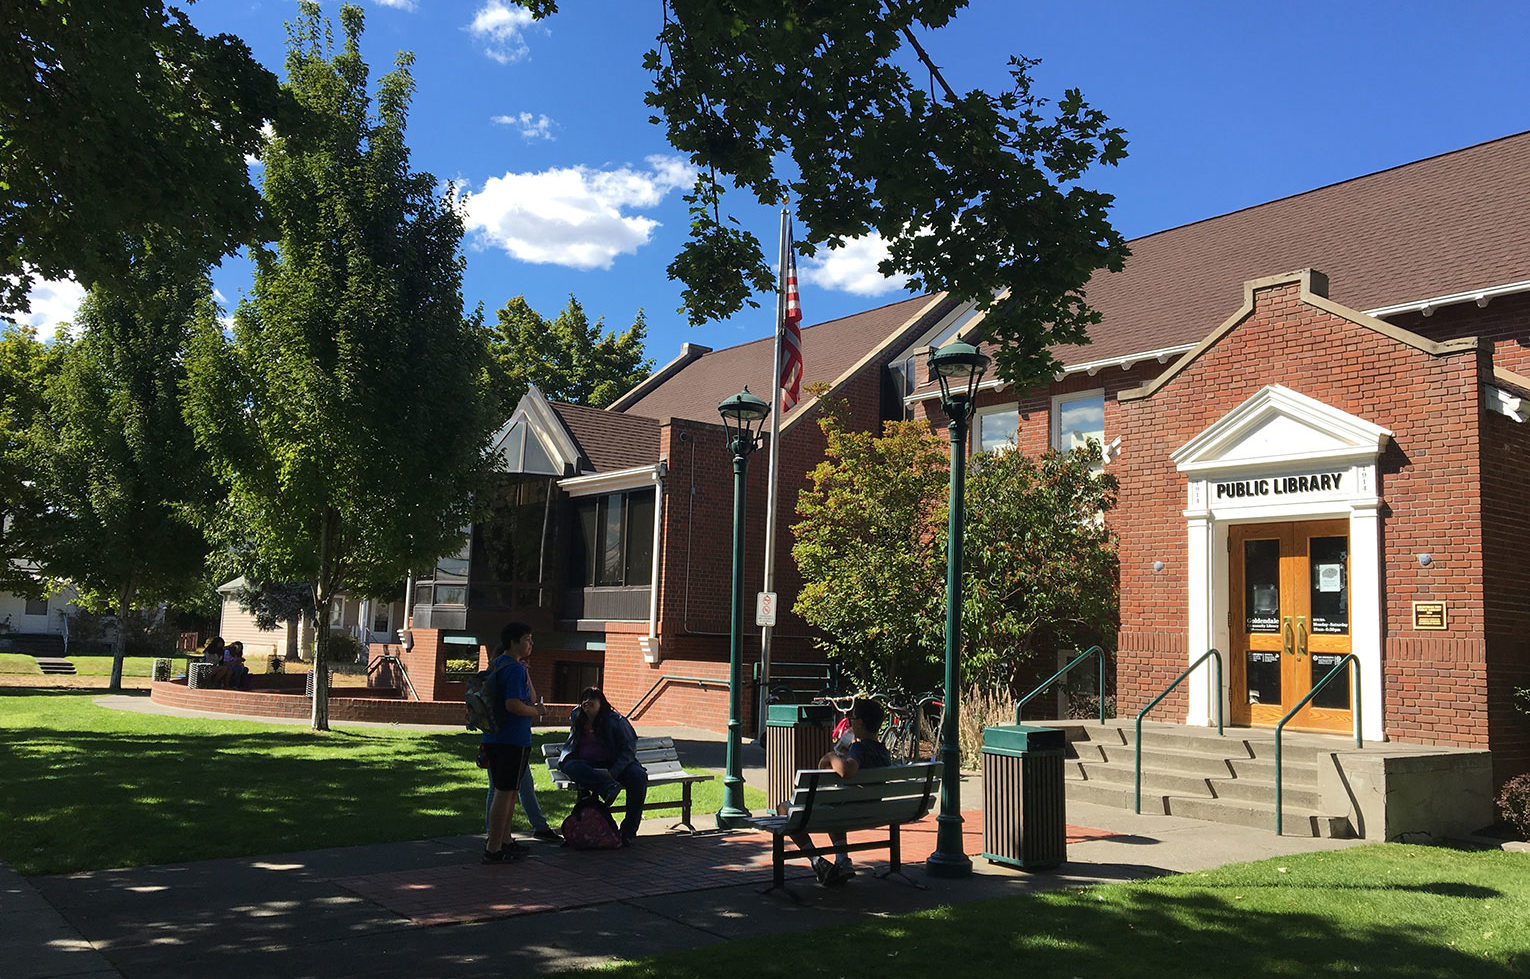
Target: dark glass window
612 540
37 606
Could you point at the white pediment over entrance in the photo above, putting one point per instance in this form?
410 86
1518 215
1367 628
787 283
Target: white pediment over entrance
1279 427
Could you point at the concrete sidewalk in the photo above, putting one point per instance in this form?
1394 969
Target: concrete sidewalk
427 908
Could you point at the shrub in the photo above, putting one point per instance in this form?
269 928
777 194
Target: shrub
274 663
344 649
1514 804
462 666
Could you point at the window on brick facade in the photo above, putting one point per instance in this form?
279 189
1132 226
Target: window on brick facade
1078 418
612 540
995 426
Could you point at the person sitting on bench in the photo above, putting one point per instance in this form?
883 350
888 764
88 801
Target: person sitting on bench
866 751
601 755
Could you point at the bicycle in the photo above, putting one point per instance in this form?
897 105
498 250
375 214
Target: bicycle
911 723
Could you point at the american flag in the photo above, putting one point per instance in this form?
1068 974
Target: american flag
790 381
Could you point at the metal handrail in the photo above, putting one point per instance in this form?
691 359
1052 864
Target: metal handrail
1348 659
1091 651
396 661
703 680
1209 654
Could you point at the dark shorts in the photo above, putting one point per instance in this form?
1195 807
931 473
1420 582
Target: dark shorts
507 762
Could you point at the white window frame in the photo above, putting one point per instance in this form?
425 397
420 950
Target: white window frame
1059 400
976 436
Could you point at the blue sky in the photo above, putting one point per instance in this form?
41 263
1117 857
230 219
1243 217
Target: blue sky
570 189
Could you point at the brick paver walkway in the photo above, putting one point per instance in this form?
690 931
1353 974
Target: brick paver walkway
553 878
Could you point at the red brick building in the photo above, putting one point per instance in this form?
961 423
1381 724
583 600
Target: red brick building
1314 410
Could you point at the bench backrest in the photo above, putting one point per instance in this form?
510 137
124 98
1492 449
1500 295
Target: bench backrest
656 755
888 796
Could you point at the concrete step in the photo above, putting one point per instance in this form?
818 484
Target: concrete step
1297 820
1152 779
54 666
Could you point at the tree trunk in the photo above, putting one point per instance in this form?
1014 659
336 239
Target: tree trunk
119 645
324 597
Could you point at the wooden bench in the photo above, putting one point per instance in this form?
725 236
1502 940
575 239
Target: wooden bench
875 798
662 762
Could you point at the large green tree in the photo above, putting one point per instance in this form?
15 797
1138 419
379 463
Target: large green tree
1040 563
349 411
569 358
119 487
26 364
118 122
839 105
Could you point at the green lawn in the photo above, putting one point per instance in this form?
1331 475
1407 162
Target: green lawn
131 665
19 663
84 787
1387 910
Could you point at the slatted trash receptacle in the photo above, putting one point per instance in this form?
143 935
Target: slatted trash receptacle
796 736
197 675
1024 804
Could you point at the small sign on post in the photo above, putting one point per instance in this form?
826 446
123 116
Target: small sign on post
765 608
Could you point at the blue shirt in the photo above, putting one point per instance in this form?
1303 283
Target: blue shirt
509 680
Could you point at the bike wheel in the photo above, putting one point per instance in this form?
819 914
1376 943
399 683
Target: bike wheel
899 739
930 722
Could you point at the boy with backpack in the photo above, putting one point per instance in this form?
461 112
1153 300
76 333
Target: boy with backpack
508 750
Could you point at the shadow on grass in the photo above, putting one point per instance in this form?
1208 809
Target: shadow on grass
82 796
1137 930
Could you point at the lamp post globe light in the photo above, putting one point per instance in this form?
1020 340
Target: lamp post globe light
958 367
743 416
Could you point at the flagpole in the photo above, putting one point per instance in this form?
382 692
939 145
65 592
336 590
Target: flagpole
775 459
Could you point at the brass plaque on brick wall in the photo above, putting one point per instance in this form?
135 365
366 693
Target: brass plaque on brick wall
1428 615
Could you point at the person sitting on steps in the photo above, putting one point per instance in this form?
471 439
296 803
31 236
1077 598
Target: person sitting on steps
866 751
601 755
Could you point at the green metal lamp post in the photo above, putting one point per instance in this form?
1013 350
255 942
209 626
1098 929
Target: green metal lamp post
959 368
743 416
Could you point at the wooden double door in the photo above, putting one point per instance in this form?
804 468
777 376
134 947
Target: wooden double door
1290 622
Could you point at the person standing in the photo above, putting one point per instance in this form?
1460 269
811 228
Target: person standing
508 750
527 790
601 755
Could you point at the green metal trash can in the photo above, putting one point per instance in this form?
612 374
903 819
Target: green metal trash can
796 736
1024 804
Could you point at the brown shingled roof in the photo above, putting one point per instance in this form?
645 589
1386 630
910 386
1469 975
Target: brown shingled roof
1448 224
828 350
609 440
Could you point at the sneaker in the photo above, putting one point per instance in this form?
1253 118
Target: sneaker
548 834
514 850
494 856
823 870
627 838
842 872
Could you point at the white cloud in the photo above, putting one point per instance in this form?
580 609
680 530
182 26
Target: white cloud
531 127
851 269
400 4
500 29
52 304
573 216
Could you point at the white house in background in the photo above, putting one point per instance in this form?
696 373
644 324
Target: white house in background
368 620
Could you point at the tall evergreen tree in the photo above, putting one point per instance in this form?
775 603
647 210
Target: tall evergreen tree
349 410
568 358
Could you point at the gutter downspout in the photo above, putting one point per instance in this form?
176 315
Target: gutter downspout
650 643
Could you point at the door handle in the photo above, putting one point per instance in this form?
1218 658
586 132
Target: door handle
1285 635
1301 636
